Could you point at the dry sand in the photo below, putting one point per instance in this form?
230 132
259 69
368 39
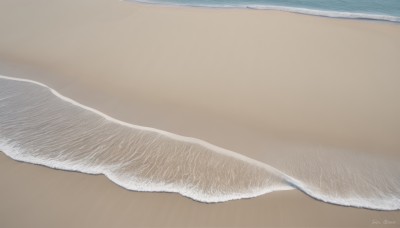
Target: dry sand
231 77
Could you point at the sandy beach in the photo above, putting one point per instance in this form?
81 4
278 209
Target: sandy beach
231 77
35 196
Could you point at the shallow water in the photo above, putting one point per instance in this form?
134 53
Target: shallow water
40 126
387 10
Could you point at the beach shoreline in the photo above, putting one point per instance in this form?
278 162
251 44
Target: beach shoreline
52 197
76 55
283 9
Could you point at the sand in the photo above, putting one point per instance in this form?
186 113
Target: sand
231 77
35 196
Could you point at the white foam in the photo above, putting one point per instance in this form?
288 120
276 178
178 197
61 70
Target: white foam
326 13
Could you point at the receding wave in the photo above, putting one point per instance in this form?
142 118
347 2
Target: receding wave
40 126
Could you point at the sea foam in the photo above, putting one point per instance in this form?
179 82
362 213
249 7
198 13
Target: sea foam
38 125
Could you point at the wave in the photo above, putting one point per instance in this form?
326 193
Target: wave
300 10
326 13
38 125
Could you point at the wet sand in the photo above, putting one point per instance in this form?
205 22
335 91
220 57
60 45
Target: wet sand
36 196
231 77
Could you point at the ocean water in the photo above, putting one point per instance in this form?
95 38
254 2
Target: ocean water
38 125
388 10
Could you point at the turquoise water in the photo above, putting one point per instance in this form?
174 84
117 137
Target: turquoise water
388 10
